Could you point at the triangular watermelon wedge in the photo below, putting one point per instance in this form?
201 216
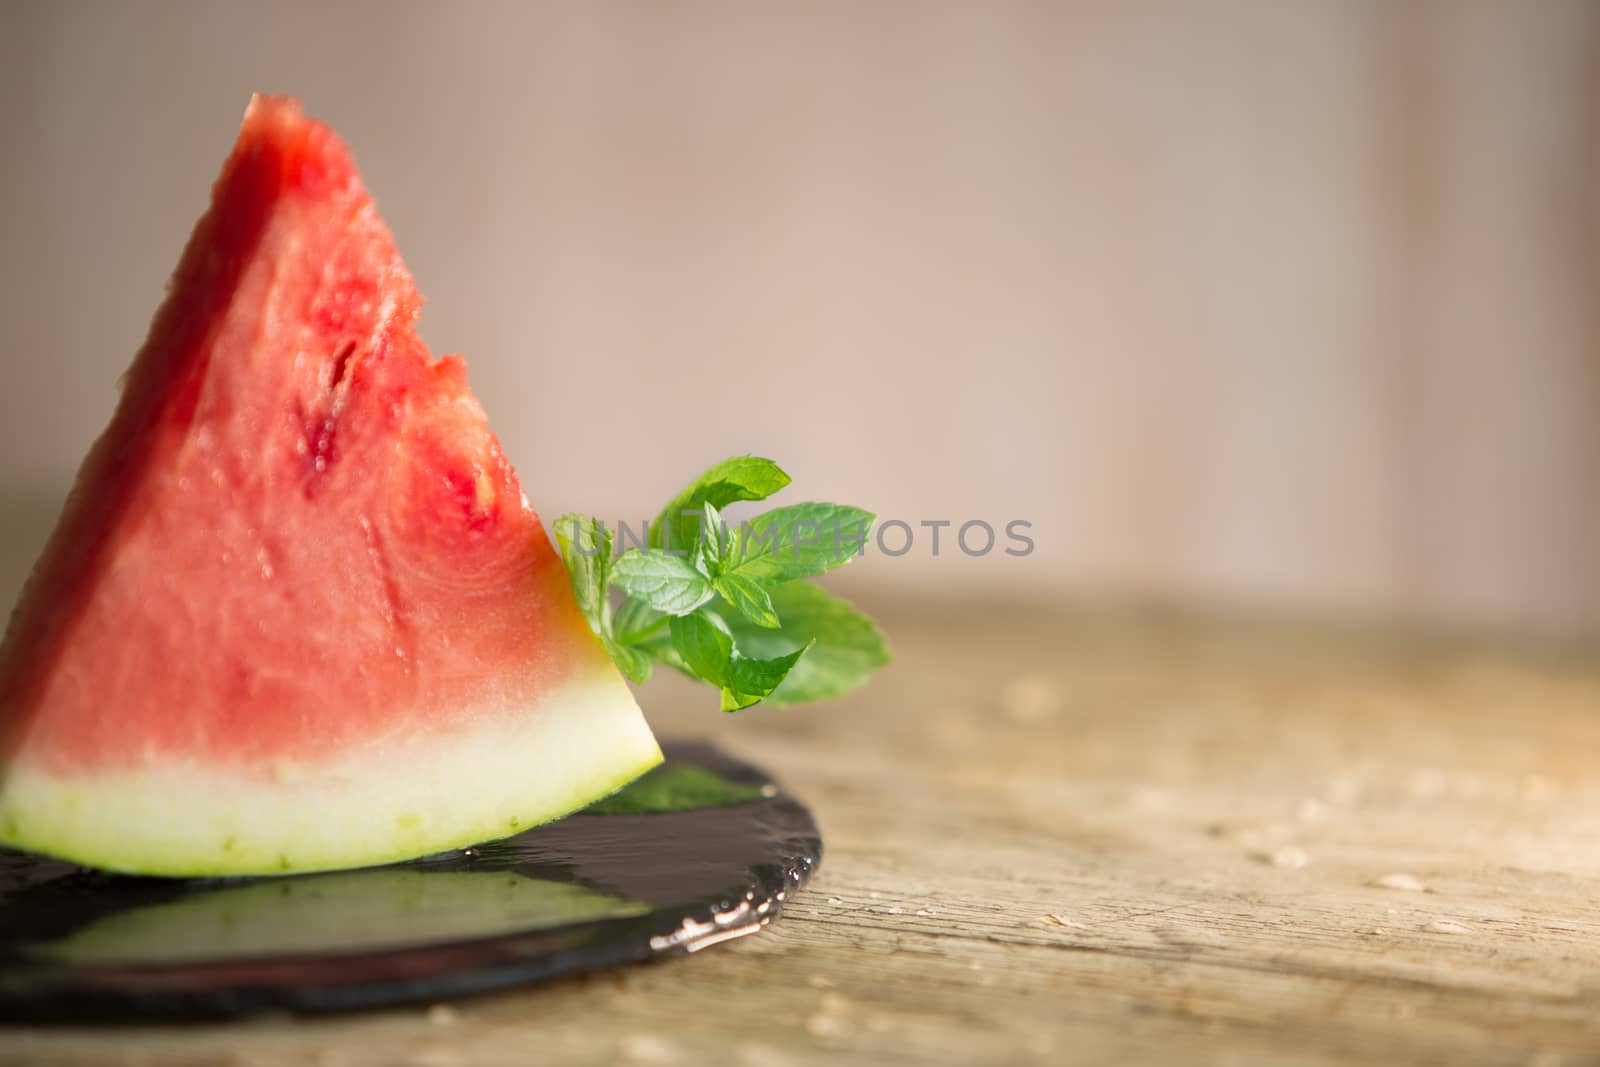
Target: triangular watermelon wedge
297 613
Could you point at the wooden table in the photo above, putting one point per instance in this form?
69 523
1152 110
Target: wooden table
1103 836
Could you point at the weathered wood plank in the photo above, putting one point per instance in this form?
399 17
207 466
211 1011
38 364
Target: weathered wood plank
1109 837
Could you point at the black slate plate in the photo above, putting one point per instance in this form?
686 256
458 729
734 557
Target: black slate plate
592 890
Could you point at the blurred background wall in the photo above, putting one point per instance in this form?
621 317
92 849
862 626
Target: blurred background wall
1291 303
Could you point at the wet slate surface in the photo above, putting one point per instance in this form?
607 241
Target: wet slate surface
589 891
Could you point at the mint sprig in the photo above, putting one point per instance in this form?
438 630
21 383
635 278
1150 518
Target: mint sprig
725 604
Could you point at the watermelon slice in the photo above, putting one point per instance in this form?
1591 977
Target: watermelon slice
297 613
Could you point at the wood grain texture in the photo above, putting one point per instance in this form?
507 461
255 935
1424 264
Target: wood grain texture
1103 836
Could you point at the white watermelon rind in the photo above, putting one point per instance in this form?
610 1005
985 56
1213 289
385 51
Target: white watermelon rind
489 773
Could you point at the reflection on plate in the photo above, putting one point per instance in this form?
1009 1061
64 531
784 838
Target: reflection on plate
703 850
352 911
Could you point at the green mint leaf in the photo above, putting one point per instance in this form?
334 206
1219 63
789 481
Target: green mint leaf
636 622
633 662
799 541
705 647
748 597
715 541
723 606
659 647
756 679
585 546
844 645
732 480
667 583
706 651
676 787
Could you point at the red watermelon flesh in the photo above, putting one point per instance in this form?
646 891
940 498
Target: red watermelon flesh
297 613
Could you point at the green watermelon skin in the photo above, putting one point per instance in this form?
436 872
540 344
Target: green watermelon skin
297 613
